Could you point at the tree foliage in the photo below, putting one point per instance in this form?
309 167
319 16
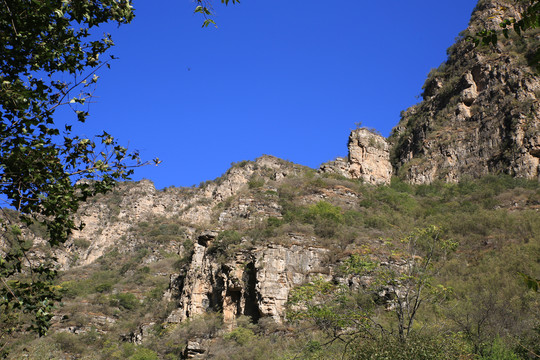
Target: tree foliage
205 8
49 56
412 285
530 282
350 314
529 19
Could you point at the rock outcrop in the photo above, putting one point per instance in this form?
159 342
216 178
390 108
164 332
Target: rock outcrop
109 220
369 159
480 112
254 282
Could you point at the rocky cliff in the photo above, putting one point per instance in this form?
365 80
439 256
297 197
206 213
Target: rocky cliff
110 220
246 276
368 160
255 282
480 115
480 112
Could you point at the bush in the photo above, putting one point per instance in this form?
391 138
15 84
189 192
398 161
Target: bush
81 243
427 347
240 335
105 287
144 354
499 351
69 343
324 211
325 228
376 222
357 265
127 301
256 183
226 244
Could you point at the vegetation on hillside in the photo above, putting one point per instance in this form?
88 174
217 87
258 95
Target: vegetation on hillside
473 302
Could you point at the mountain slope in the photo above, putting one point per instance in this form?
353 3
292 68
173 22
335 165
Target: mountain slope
480 114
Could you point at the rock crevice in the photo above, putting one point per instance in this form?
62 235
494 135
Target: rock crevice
254 283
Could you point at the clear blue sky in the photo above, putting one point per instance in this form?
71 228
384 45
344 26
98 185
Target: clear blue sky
285 78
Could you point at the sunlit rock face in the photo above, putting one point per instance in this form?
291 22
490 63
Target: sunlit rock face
254 283
110 220
369 157
368 160
480 112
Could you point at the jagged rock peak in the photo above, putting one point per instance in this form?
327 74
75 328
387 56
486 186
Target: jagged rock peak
480 114
369 158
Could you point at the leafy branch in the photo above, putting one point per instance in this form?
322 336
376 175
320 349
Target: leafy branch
205 8
529 19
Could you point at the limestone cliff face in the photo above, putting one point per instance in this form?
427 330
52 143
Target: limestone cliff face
255 282
369 159
480 114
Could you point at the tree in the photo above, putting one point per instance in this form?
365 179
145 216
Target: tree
46 170
350 314
411 286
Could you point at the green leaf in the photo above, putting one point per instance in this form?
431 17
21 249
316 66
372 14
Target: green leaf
530 282
208 22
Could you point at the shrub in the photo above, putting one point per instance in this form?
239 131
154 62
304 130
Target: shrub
226 244
240 335
127 301
105 287
274 222
352 218
376 222
425 347
144 354
69 343
325 228
324 211
256 183
357 265
400 201
81 243
499 351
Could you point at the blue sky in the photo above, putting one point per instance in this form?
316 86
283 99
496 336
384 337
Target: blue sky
285 78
